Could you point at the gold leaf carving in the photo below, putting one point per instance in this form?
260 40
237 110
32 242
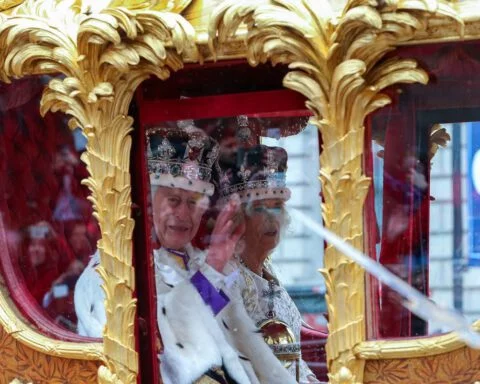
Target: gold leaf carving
104 57
8 4
26 365
339 66
456 367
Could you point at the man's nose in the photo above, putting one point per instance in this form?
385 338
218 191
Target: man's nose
182 211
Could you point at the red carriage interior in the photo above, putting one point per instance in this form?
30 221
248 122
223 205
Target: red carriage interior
47 225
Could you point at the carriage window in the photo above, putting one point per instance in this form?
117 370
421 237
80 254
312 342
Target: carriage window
421 219
47 231
220 191
228 154
426 206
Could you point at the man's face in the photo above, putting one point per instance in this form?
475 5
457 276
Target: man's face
176 215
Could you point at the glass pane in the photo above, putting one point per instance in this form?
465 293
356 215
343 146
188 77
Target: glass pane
47 231
422 216
401 244
444 261
222 231
454 215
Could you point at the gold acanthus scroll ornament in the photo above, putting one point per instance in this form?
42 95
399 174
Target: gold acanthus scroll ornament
338 63
103 57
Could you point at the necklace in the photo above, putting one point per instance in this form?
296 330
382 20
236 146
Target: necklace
271 293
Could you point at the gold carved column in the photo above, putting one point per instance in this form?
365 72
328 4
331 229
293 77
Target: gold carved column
338 63
101 59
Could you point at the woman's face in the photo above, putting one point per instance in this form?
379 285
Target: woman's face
264 220
37 252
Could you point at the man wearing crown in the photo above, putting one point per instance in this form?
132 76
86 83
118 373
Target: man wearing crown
207 337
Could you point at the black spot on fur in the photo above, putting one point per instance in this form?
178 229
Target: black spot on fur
258 331
179 345
164 311
225 324
169 285
243 358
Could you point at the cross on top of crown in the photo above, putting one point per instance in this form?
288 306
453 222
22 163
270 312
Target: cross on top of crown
271 163
166 150
243 131
242 121
225 178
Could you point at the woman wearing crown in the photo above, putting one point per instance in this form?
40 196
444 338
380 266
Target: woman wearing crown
257 175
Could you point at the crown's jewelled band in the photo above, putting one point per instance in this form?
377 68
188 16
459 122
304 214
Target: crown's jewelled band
273 183
250 195
190 171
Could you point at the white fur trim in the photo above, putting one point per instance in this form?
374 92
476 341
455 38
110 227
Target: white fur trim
89 301
167 180
193 341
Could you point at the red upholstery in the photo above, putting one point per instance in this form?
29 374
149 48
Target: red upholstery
313 351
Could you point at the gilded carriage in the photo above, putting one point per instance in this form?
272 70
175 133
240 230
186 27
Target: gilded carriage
378 87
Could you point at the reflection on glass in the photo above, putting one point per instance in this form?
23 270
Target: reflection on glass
401 204
454 216
46 220
425 203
